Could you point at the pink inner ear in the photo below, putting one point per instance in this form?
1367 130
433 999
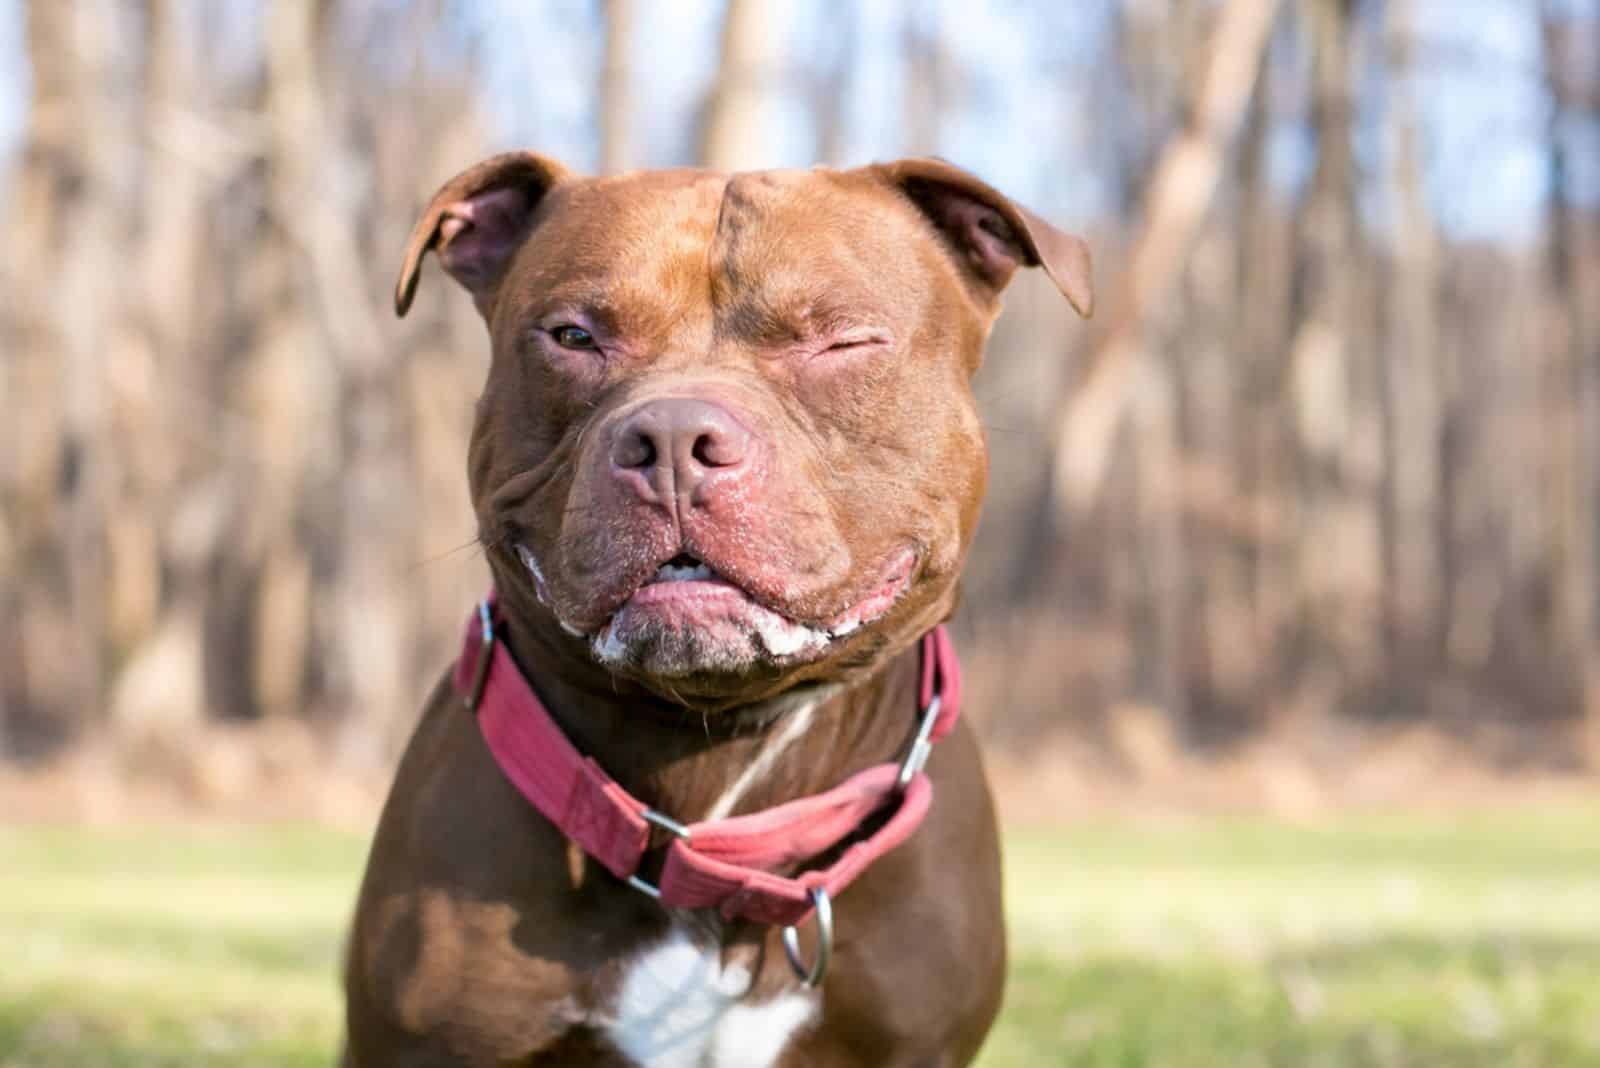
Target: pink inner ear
479 235
982 234
994 245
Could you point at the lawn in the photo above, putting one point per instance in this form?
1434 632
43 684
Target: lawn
1448 941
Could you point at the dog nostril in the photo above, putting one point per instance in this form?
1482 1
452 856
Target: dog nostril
635 450
716 448
705 451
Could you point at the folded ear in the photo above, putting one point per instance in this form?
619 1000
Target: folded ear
477 221
991 235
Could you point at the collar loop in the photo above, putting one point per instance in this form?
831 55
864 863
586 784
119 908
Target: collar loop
731 865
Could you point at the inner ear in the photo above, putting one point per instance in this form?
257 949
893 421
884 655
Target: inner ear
478 236
989 234
980 235
476 222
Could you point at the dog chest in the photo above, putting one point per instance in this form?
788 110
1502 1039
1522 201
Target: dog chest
677 1007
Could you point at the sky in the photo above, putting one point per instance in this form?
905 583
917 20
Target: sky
1484 107
1485 110
13 76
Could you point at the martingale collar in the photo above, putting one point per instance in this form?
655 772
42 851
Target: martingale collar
731 864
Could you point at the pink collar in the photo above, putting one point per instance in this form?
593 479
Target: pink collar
728 864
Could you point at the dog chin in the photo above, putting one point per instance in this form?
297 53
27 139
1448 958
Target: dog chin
647 644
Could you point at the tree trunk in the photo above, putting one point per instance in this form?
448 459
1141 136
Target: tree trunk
49 184
740 118
72 225
1089 413
616 96
1572 391
1410 399
1337 568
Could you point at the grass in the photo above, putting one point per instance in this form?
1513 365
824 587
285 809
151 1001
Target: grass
1439 941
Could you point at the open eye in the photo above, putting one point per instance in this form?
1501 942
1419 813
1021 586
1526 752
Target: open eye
573 337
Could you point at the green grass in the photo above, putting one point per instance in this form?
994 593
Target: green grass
1370 942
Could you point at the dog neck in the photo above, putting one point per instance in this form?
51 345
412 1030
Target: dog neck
695 765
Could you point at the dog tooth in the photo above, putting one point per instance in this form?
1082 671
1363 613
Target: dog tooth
685 573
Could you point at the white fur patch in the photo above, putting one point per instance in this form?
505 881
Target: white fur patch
678 1008
541 589
754 1036
607 647
785 637
794 726
532 565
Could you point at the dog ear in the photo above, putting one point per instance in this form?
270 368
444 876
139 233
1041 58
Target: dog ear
476 222
990 234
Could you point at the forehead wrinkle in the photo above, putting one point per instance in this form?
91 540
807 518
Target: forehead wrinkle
643 274
744 265
716 254
792 301
675 288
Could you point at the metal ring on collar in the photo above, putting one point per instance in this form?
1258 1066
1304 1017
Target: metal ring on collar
480 670
921 745
813 976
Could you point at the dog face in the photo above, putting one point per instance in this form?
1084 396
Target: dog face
728 440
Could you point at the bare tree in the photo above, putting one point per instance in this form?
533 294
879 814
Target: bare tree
1317 458
1572 383
74 215
1185 178
616 96
50 181
1409 400
749 76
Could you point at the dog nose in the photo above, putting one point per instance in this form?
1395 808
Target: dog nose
679 445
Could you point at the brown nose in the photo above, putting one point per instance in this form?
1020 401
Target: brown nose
679 446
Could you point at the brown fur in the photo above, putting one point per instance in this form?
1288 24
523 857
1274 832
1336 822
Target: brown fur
479 937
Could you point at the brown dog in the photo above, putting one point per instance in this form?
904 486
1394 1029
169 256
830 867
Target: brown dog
726 469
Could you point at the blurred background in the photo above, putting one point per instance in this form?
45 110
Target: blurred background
1306 521
1322 476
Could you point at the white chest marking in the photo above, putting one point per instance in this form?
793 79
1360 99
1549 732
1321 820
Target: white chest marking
678 1008
796 724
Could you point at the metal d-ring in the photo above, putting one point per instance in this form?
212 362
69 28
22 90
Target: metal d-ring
666 823
921 745
813 976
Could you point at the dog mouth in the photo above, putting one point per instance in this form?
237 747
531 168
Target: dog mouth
687 617
684 568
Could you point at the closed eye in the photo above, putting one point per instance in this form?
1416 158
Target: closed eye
862 341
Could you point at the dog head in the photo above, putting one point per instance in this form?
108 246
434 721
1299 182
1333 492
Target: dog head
728 442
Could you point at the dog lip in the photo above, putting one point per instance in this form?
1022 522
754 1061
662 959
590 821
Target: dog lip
686 577
690 589
894 579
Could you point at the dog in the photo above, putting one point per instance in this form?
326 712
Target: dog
675 804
